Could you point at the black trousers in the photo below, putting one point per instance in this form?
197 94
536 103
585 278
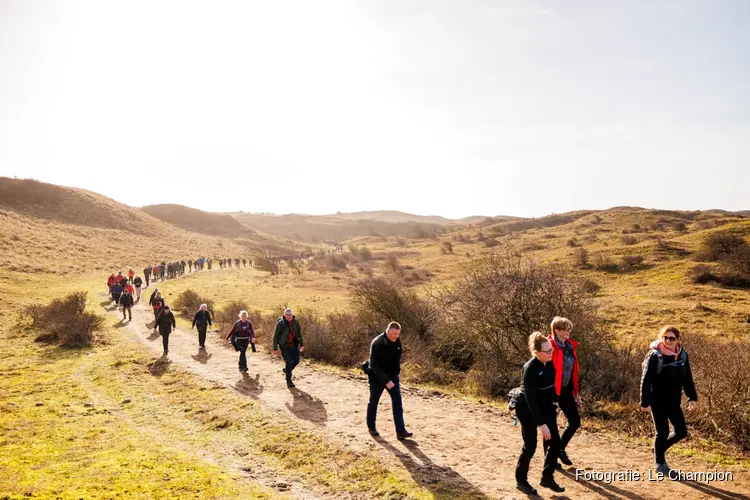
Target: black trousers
165 341
529 433
568 406
662 415
116 296
202 335
129 311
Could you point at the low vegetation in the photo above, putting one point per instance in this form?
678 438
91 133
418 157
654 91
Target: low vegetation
63 321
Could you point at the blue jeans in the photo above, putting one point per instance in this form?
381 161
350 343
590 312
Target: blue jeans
291 357
376 390
243 357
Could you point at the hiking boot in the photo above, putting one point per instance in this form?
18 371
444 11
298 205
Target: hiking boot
373 432
525 487
289 383
404 435
564 458
551 484
663 468
558 466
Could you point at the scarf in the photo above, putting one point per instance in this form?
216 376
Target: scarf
662 348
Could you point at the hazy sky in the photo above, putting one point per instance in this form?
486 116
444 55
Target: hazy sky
452 108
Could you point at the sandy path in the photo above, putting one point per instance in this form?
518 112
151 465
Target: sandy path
470 446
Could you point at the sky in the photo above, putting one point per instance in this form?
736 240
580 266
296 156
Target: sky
433 107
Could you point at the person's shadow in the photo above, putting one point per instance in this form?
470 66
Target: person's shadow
443 482
249 386
120 323
159 367
154 335
307 407
202 357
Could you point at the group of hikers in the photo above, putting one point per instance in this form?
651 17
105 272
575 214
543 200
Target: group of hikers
549 379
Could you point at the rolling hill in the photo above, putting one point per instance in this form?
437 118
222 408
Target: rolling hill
55 229
198 221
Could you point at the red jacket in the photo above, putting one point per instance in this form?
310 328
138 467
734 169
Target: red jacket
557 362
111 280
130 289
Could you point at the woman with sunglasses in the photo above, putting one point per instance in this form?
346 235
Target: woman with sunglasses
666 372
537 408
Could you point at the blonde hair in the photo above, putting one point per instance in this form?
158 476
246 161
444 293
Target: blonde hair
241 313
536 340
560 323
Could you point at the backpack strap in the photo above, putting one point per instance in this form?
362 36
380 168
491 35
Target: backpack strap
660 358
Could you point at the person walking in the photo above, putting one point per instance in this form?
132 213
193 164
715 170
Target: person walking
166 323
138 282
287 339
131 274
116 291
147 274
384 367
565 361
537 408
110 282
202 318
666 373
241 336
157 303
126 303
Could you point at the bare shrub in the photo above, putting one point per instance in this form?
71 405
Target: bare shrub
230 313
265 262
718 245
581 257
338 338
392 263
702 274
631 261
64 321
188 302
533 246
491 242
382 300
446 247
573 242
503 297
365 254
590 286
604 262
628 240
680 227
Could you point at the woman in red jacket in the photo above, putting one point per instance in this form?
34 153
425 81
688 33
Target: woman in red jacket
565 360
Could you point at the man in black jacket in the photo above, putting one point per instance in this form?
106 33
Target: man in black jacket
203 319
166 322
384 369
126 302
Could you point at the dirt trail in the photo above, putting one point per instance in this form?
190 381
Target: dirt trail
468 445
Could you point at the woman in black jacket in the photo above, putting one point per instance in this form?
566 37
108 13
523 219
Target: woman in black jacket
166 323
537 408
666 372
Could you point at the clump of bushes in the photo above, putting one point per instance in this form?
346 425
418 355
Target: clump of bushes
732 253
64 321
188 302
604 262
628 240
631 261
581 257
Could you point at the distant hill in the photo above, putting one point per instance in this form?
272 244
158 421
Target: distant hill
55 229
198 221
339 227
73 206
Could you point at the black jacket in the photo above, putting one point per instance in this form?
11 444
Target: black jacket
126 300
165 321
665 388
538 388
202 318
151 299
385 358
137 281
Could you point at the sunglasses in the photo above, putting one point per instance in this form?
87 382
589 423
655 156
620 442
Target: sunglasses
671 339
